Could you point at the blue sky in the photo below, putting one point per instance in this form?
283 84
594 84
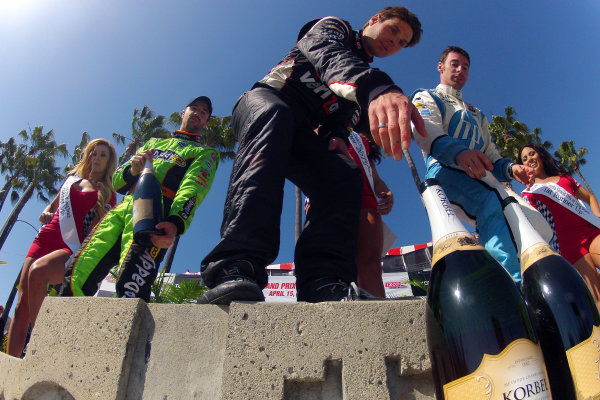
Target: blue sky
75 66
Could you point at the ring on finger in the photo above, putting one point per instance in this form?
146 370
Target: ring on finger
382 125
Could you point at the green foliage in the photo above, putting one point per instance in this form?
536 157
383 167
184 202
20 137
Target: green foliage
185 292
39 162
420 284
217 133
77 152
569 158
30 162
510 135
145 125
4 343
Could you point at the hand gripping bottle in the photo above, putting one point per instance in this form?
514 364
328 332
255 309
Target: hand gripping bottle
147 206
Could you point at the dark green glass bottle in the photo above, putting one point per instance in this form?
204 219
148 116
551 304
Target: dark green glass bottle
563 310
147 206
481 340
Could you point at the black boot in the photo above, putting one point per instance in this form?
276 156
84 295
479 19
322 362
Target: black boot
235 282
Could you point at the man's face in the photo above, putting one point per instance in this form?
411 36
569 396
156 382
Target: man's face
383 38
195 117
454 71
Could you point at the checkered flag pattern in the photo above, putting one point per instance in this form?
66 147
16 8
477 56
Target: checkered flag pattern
541 207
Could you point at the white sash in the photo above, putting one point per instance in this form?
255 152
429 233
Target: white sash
68 229
557 193
359 148
389 237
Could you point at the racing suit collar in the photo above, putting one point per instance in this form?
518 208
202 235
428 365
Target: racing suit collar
449 90
358 38
194 137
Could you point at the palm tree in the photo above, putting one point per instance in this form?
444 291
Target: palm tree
77 152
39 172
11 164
144 125
571 159
510 135
41 175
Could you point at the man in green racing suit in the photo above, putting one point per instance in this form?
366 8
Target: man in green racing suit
186 171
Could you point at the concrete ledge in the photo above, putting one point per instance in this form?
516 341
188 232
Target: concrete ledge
99 348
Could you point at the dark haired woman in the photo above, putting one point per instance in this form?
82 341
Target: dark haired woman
559 198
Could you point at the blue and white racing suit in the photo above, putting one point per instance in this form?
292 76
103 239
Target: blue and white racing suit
453 126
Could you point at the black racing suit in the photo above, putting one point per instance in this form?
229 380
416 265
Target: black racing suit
274 123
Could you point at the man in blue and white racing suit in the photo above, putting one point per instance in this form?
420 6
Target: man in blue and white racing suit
459 150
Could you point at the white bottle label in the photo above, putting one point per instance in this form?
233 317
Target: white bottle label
517 373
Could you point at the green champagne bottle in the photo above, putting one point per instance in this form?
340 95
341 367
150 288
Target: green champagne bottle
147 206
481 340
563 309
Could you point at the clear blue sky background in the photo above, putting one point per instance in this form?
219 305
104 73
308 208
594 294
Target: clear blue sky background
75 66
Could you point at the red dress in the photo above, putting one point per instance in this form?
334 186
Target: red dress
574 234
50 239
368 197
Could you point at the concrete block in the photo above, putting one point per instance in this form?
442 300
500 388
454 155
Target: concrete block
349 350
179 353
103 348
80 348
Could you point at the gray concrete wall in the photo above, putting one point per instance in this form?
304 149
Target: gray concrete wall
99 348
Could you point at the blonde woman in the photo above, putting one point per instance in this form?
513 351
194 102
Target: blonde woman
83 199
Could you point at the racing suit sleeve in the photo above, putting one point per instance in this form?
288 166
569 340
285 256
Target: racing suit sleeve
193 188
123 181
445 148
340 123
441 146
327 46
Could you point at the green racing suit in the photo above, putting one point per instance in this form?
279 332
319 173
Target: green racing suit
186 171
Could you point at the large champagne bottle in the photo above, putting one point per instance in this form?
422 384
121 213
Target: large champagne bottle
147 206
563 309
481 341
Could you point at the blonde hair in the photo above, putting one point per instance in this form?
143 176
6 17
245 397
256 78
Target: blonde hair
84 168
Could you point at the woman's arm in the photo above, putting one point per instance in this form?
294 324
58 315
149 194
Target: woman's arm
48 213
386 198
583 194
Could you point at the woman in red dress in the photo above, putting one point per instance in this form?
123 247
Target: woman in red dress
557 196
83 199
377 201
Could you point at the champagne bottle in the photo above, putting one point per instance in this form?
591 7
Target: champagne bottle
481 340
147 206
563 309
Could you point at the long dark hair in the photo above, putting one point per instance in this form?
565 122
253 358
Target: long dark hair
551 166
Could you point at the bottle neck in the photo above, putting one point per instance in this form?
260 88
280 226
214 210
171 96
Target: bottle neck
442 218
523 232
148 167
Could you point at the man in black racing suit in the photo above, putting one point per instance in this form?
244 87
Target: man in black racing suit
274 123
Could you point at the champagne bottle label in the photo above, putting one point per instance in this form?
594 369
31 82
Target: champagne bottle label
517 373
534 254
454 242
142 209
584 362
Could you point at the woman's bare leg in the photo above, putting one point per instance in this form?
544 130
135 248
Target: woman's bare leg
49 269
368 257
20 322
